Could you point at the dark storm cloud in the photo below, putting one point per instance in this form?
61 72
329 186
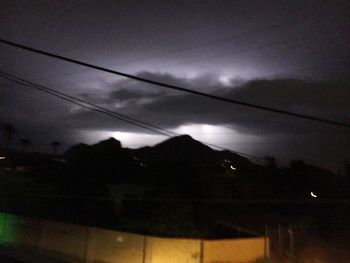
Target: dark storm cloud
205 81
169 109
124 94
322 99
43 118
193 44
325 99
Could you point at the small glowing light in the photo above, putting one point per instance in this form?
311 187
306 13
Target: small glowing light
2 157
313 195
233 168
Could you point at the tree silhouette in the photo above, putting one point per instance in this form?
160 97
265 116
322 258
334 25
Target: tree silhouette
9 130
24 144
55 145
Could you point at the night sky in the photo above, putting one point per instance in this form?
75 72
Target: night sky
292 55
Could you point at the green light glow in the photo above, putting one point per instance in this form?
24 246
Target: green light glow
8 229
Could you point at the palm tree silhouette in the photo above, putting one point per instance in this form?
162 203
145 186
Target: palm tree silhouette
55 145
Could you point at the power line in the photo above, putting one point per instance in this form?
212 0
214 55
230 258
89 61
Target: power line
92 104
174 87
103 110
210 44
225 55
66 98
205 45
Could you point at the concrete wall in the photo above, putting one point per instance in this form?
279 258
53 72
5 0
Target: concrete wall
236 250
63 241
94 245
173 250
113 246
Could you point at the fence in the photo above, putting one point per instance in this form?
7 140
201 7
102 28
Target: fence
91 245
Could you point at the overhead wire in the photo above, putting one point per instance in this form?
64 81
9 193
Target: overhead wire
204 45
187 62
103 110
67 98
175 87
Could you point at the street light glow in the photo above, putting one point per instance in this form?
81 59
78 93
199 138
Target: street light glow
313 195
2 157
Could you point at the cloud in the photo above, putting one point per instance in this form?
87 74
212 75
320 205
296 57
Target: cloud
170 109
284 136
125 94
43 118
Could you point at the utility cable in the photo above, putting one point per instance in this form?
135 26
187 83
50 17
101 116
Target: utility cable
174 87
103 110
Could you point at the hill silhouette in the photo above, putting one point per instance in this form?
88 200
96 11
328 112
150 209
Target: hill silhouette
177 165
185 149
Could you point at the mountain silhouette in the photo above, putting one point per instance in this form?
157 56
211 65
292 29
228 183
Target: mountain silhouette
185 149
179 149
178 157
110 145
